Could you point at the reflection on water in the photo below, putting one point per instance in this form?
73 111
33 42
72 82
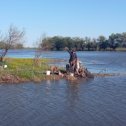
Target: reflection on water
97 102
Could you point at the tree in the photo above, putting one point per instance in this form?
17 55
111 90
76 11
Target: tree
42 45
69 42
102 42
114 41
122 42
18 46
13 37
58 43
95 45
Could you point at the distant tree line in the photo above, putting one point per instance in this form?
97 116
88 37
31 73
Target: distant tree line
16 46
58 43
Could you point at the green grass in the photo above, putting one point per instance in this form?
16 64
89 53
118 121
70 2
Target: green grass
25 68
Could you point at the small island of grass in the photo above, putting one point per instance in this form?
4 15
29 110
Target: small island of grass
22 70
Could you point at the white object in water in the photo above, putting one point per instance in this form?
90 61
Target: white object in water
48 72
71 74
5 66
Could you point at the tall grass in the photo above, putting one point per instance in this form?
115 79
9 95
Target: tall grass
25 68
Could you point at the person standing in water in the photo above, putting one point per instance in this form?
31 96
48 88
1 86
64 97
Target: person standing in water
73 59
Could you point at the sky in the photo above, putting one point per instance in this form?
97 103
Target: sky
73 18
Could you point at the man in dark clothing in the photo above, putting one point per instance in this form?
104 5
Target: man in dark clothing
73 59
73 55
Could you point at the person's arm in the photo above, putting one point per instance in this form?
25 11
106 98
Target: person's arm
67 49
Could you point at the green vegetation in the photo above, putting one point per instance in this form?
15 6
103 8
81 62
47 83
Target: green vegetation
113 42
25 69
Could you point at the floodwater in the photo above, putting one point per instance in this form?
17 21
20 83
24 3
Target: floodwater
94 102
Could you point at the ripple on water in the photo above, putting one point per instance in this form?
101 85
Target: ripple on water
100 101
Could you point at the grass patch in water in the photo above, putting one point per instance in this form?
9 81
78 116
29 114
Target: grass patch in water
25 68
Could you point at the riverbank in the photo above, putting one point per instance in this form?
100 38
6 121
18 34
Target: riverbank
20 70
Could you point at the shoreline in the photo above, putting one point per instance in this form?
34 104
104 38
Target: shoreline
13 79
21 70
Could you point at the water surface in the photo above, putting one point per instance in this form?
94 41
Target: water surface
94 102
98 102
95 61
